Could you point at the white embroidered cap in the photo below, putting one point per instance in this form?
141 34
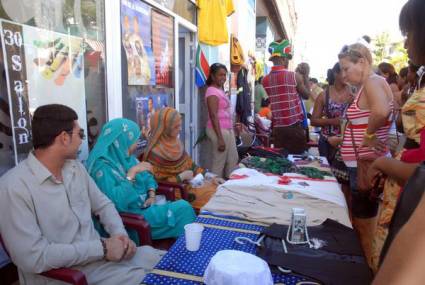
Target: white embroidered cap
233 267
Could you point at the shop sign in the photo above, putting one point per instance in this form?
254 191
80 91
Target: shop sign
42 67
15 66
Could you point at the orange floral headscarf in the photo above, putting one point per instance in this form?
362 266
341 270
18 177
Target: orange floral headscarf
161 141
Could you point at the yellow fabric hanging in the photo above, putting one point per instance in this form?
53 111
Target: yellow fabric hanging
259 69
236 52
212 24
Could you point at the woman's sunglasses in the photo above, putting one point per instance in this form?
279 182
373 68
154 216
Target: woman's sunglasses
347 51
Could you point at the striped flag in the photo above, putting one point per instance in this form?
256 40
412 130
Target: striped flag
202 68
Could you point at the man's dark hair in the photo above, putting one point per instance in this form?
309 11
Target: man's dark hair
265 102
403 72
314 80
367 39
330 77
49 121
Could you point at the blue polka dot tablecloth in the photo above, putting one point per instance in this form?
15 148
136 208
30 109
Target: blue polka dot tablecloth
180 266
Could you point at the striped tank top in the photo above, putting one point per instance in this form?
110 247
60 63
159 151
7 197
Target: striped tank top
358 122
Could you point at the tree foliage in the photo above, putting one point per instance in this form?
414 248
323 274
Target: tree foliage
386 50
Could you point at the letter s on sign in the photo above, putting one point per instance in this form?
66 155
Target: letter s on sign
16 63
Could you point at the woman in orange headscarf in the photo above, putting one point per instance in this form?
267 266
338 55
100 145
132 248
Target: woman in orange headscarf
165 151
170 162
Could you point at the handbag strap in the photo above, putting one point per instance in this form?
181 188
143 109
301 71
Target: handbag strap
349 125
327 108
395 116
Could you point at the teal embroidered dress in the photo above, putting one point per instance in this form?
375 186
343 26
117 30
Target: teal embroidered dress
108 164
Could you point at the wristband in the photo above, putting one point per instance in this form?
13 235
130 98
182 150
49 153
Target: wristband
149 193
369 136
105 249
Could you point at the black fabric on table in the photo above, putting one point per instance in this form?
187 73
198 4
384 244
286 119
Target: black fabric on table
339 261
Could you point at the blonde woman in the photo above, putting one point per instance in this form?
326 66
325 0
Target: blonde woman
366 134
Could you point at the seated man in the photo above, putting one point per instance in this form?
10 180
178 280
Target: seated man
46 207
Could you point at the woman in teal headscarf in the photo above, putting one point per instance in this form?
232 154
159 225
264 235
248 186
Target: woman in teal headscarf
129 185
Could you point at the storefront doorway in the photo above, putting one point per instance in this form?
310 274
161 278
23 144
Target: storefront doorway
186 87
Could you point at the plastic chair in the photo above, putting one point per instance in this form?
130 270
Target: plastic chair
169 190
66 275
76 277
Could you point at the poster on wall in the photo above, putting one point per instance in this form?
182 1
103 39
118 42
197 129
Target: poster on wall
147 104
137 43
43 67
163 48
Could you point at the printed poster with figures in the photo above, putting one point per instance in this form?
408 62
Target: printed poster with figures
163 47
44 67
146 105
137 42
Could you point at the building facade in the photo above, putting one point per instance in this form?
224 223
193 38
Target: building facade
118 58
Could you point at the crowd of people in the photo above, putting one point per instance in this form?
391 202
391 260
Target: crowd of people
370 122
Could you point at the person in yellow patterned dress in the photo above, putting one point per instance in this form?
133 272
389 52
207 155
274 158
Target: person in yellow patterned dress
413 119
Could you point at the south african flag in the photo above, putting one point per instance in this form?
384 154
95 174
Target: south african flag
202 68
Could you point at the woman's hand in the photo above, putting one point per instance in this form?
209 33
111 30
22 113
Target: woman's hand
149 202
186 175
221 145
142 166
151 198
218 180
375 172
335 122
374 143
335 141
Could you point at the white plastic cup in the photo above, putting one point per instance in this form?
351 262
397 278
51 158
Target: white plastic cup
193 235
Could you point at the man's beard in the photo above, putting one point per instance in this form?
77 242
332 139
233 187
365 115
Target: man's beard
74 155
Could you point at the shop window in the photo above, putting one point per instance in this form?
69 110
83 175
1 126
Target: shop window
53 51
186 9
183 8
147 53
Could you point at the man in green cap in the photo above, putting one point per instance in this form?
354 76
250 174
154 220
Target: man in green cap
282 87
